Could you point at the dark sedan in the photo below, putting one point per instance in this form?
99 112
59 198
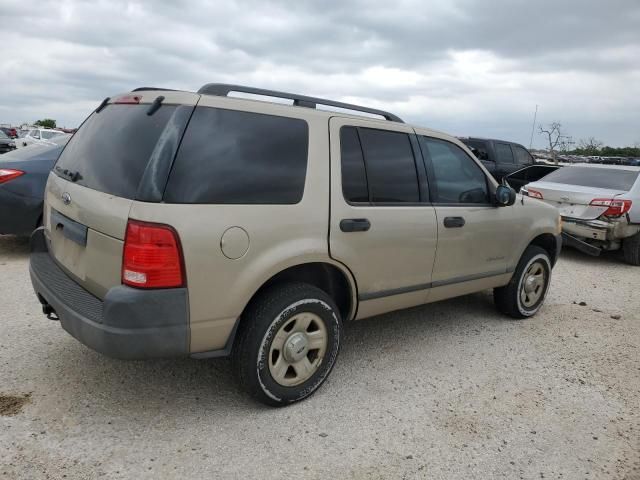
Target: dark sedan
23 176
6 144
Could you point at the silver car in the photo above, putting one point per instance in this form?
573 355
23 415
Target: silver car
599 205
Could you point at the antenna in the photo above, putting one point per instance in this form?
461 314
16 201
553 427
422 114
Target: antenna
533 126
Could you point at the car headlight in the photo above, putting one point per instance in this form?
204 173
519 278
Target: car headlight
12 144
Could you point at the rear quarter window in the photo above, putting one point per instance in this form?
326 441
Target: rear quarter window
236 157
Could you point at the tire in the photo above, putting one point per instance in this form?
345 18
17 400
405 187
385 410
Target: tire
631 249
508 299
269 353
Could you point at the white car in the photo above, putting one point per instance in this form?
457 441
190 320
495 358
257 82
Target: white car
599 205
38 135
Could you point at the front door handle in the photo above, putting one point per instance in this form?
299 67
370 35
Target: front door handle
355 225
454 222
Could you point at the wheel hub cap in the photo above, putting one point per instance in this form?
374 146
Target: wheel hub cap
297 350
533 284
530 284
296 347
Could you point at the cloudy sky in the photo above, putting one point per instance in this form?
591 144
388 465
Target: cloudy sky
468 67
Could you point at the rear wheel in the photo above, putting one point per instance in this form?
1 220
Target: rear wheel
287 344
631 249
525 293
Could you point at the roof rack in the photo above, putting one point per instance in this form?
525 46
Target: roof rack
144 89
223 90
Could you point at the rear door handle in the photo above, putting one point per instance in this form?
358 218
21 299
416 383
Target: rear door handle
355 225
454 222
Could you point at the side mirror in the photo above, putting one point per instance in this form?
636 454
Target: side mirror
505 196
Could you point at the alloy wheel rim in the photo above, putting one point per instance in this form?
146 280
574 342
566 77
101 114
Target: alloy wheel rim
533 284
297 349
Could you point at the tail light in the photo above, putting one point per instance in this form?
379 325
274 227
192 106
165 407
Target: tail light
152 256
7 174
615 208
534 193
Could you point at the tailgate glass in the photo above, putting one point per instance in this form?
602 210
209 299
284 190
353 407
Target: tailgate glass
111 150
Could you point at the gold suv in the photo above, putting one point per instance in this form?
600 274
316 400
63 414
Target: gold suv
203 224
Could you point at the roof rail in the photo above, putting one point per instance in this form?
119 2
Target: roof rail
144 89
223 89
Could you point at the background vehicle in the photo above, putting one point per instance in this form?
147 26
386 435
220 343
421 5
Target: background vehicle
39 135
500 157
599 204
179 223
23 177
6 144
10 132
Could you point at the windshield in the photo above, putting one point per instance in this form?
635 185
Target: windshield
3 135
608 178
47 135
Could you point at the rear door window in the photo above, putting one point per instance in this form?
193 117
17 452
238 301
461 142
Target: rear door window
354 175
504 153
111 150
609 178
390 166
236 157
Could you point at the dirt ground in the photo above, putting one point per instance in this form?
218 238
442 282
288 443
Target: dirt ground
451 390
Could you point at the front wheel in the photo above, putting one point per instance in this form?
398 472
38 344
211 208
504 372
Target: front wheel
287 344
525 293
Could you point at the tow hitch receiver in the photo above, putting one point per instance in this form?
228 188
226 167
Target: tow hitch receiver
50 312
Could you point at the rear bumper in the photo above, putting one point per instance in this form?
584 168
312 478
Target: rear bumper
128 324
593 229
601 230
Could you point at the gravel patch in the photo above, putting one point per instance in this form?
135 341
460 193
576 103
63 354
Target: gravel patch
451 390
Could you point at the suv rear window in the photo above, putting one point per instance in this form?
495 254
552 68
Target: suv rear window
612 178
112 148
236 157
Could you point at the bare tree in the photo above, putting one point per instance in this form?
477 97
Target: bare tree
591 145
556 139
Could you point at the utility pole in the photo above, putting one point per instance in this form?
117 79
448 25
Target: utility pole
533 126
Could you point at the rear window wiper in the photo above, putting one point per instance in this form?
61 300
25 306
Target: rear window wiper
155 105
69 174
103 104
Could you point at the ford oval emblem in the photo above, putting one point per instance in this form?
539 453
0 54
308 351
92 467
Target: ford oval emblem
66 198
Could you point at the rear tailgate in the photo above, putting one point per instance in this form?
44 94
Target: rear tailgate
120 154
574 200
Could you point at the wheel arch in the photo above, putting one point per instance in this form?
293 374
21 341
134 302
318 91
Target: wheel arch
549 243
335 280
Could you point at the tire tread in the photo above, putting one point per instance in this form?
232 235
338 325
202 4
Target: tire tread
631 250
255 320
